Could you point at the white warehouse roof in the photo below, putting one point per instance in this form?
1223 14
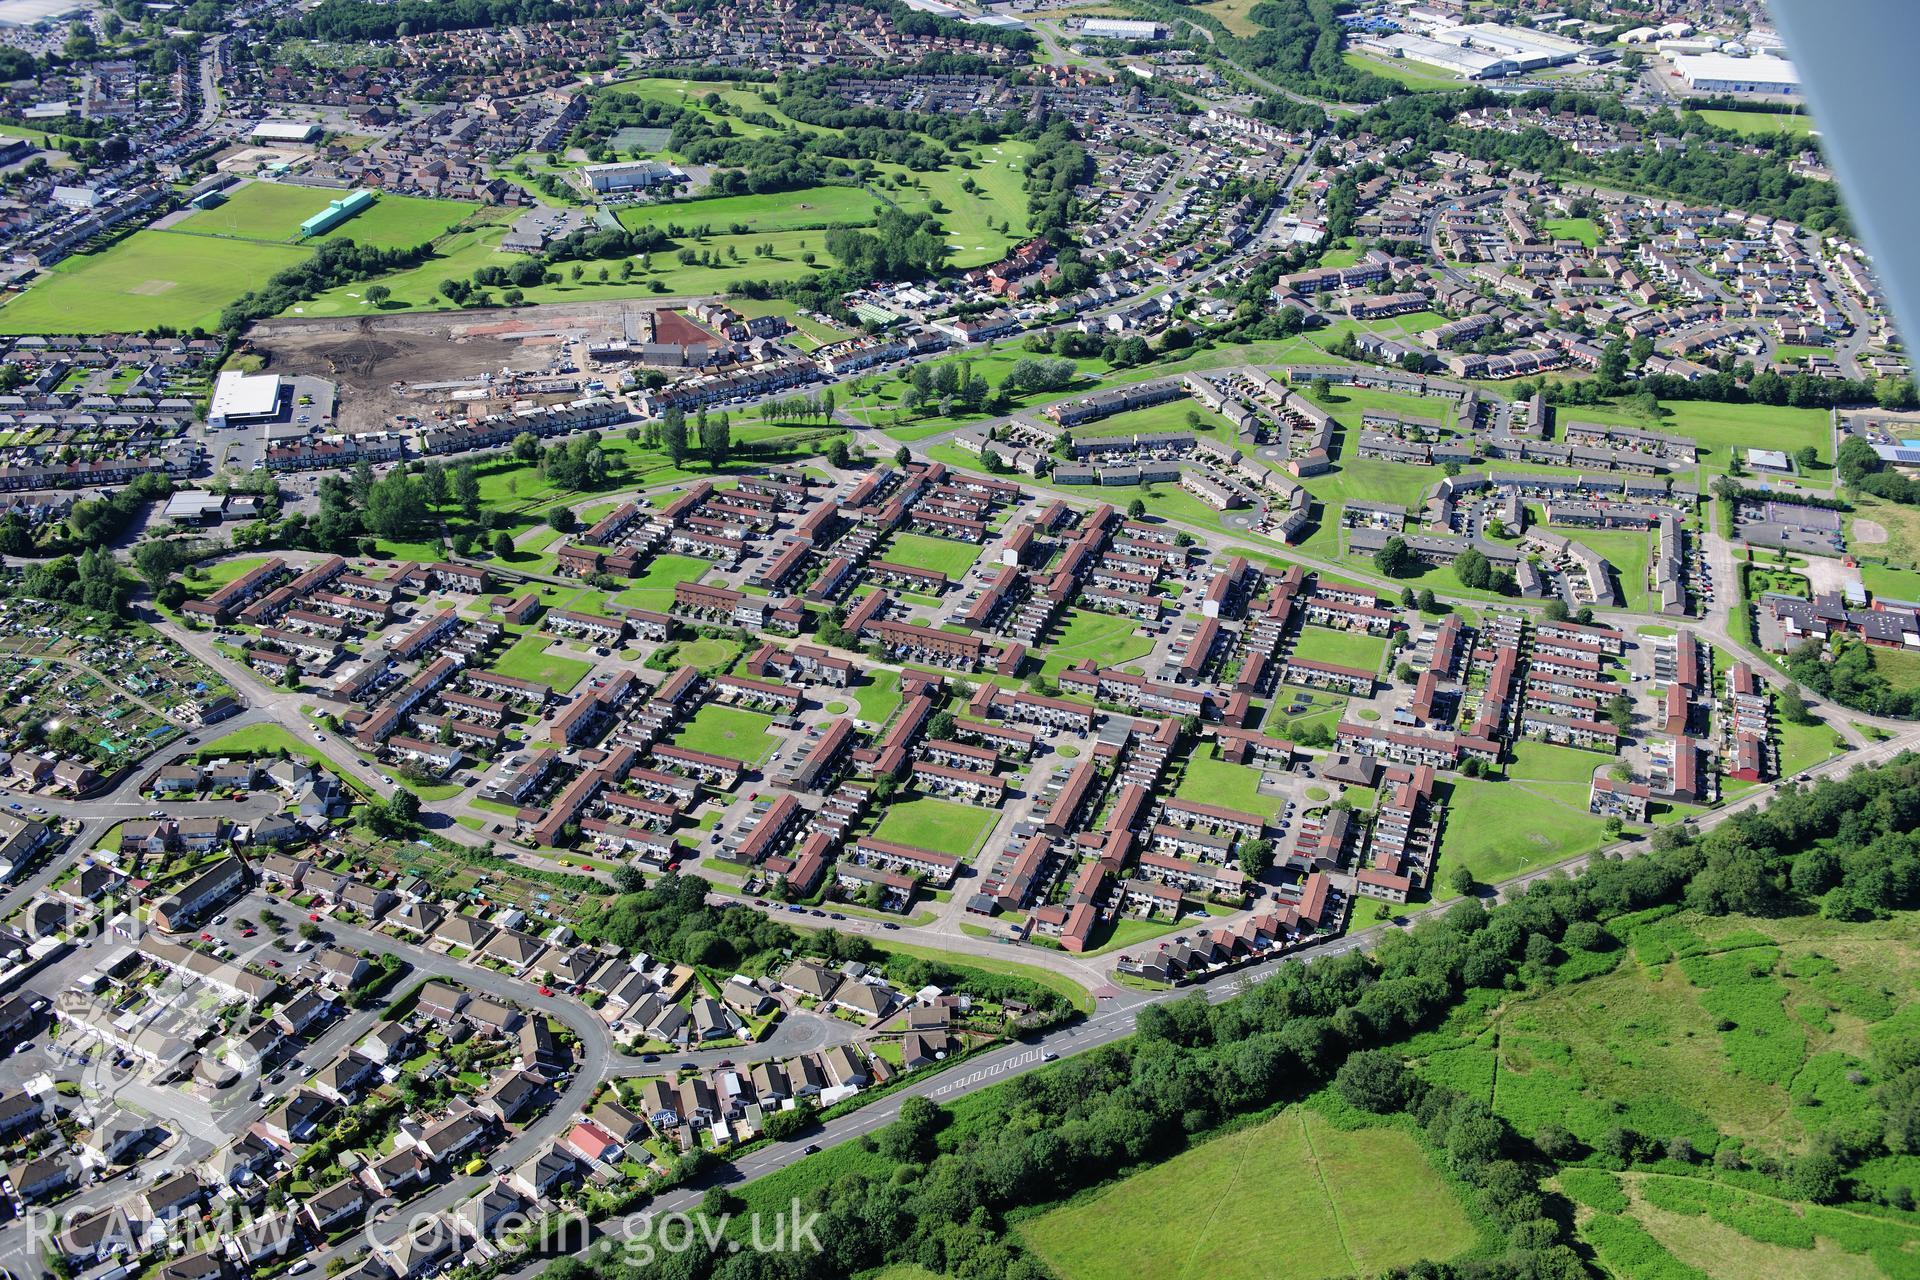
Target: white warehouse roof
285 131
1716 68
244 395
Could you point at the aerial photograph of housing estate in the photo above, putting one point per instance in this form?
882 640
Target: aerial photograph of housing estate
995 639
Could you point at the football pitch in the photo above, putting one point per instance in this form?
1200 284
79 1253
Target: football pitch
148 280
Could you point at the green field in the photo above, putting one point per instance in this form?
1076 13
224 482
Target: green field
1414 75
940 825
1107 639
1175 415
1585 230
1211 780
1761 1030
1736 1234
810 207
653 589
972 219
877 696
273 212
1759 122
1628 552
1538 815
1342 648
149 280
1294 1197
1721 428
941 555
528 659
733 732
658 274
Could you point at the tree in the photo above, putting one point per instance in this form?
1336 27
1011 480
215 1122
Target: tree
377 294
1473 569
1136 509
838 455
502 545
1255 857
716 441
1395 559
1794 708
1427 601
156 562
466 490
526 446
673 434
909 1139
902 456
1556 611
1807 457
1461 881
1374 1080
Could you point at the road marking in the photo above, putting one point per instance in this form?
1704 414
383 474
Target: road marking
1000 1068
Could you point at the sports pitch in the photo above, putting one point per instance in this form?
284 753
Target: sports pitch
148 280
273 212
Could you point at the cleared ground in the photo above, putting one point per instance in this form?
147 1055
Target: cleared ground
1294 1197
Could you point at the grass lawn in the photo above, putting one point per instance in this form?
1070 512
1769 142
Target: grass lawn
733 732
528 659
1175 415
1585 230
1212 780
1413 75
1628 552
878 696
813 207
149 280
259 740
213 577
1896 666
1759 122
1010 968
1342 648
1720 428
1108 639
1803 745
273 212
705 654
940 825
1235 15
972 218
942 555
1294 1188
1499 829
653 589
1128 931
